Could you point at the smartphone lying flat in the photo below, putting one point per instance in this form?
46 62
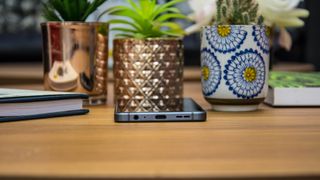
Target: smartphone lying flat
191 112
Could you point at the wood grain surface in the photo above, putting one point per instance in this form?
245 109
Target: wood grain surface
271 142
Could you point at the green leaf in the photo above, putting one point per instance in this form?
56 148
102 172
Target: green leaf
70 10
122 21
134 16
171 33
125 35
58 6
166 17
110 11
92 7
173 9
173 26
171 3
63 7
103 29
147 18
147 7
135 6
140 36
162 8
124 30
49 14
82 5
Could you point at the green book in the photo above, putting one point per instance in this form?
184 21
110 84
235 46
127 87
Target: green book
294 89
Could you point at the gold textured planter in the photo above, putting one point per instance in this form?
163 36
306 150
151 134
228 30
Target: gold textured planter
148 74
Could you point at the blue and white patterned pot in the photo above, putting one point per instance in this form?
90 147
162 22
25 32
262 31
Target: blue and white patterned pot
235 66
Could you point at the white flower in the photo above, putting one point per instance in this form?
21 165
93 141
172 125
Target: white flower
282 13
203 13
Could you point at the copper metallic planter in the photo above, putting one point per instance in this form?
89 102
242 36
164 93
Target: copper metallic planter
75 58
148 74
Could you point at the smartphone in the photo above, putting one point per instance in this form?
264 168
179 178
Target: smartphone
191 112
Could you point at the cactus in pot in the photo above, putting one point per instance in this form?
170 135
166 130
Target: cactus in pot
235 57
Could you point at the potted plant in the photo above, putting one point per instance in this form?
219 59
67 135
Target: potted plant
75 52
278 14
148 56
235 56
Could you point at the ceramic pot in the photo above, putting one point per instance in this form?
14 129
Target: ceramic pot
235 66
148 74
75 58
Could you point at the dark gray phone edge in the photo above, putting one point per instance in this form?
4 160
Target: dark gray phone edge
192 113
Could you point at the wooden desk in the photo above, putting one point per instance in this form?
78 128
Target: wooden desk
282 142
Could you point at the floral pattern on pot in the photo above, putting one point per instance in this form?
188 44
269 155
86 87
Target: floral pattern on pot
211 72
245 74
225 38
261 36
243 80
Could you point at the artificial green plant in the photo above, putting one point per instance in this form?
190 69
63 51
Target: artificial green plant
147 19
238 12
70 10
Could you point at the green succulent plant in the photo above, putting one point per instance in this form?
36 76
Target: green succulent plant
238 12
70 10
147 19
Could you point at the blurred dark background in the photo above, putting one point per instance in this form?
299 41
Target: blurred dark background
20 37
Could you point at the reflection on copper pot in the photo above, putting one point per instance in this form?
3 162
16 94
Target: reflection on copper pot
75 58
148 74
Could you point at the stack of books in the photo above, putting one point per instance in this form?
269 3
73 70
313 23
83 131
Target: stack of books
18 104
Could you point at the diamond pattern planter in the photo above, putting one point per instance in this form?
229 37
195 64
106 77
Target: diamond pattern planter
148 74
